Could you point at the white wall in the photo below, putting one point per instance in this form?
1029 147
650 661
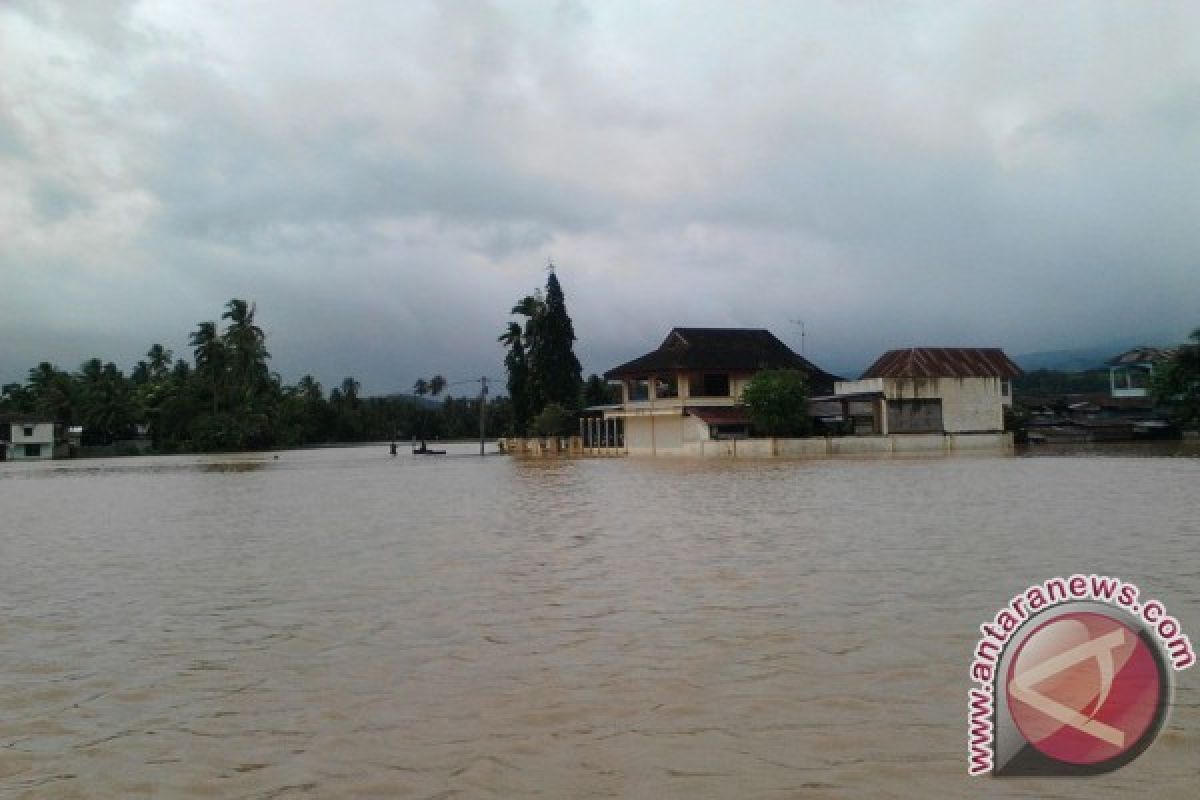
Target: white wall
42 434
968 404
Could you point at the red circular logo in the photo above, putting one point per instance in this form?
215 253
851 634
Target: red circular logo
1084 688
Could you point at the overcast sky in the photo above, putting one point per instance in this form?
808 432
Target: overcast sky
385 179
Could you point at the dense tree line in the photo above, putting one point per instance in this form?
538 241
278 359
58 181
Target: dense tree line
1048 382
227 398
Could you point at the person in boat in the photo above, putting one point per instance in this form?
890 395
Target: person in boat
392 449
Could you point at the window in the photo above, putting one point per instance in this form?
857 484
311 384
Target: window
1005 387
28 431
33 451
639 389
666 387
728 431
713 385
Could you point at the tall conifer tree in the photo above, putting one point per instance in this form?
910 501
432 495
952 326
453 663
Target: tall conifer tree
558 370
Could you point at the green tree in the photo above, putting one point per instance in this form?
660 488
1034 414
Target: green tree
158 360
210 354
51 389
1176 383
559 371
107 407
350 389
777 402
516 364
246 345
554 420
596 392
533 308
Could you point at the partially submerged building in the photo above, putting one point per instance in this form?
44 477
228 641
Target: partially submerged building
685 398
689 389
32 438
1130 373
934 390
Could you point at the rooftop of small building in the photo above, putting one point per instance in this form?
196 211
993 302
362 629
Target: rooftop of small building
1140 356
943 362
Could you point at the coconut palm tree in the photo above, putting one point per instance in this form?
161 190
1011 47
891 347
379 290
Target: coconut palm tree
517 365
308 388
350 388
158 360
211 357
246 344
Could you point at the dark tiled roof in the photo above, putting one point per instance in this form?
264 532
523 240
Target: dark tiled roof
944 362
725 349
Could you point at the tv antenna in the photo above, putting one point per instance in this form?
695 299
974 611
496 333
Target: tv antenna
799 322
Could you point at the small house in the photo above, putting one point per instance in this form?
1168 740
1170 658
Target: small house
32 439
1129 373
932 390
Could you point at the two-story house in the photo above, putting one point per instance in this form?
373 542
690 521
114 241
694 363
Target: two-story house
689 389
33 438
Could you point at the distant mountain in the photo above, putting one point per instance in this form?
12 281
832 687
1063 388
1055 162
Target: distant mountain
1081 358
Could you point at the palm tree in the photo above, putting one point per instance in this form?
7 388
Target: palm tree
421 387
309 388
517 366
158 361
436 384
210 354
51 391
533 308
350 389
246 343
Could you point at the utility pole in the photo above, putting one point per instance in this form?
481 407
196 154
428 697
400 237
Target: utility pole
482 412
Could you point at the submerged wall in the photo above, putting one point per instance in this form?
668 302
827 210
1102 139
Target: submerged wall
826 447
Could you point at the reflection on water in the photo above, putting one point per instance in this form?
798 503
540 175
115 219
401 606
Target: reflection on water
341 623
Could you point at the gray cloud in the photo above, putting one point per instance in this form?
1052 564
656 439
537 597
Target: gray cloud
386 180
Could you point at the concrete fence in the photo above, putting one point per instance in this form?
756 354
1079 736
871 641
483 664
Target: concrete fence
824 447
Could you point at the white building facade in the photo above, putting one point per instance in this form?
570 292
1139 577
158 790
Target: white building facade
31 440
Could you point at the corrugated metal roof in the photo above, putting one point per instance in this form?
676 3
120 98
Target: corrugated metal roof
1141 355
943 362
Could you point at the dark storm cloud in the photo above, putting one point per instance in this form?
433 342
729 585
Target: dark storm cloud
386 180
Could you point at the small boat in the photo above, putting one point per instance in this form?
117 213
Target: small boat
425 451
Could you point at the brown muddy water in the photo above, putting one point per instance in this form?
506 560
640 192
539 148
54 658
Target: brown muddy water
338 623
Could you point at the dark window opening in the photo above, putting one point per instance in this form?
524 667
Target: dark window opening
666 387
33 451
914 416
639 389
712 385
741 431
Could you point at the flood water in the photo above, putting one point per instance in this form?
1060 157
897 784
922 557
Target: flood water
339 623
